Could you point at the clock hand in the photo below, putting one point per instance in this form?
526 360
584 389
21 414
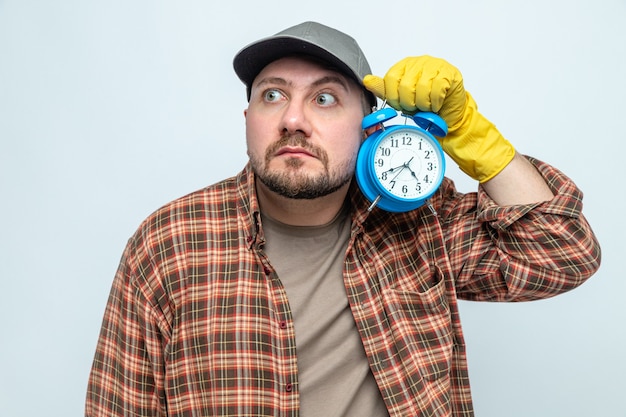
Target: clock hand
394 168
406 164
399 172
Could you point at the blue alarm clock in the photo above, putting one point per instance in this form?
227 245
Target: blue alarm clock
400 167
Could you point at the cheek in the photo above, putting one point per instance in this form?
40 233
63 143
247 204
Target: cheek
347 145
352 137
256 132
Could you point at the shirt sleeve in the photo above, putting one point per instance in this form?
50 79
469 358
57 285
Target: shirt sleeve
126 375
524 252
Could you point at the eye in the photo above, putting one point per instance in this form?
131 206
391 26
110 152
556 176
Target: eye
325 99
272 95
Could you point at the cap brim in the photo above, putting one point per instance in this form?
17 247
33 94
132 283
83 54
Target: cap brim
251 60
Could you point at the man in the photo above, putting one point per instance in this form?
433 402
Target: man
277 292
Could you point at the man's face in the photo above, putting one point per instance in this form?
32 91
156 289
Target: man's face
303 128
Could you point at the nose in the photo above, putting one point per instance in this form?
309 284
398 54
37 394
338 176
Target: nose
295 119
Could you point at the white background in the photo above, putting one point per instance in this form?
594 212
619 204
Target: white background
109 109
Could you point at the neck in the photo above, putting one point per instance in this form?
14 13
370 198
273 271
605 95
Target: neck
299 212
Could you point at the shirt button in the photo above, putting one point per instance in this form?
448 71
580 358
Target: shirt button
267 271
289 387
283 324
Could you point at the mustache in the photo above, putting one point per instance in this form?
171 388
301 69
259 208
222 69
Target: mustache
297 139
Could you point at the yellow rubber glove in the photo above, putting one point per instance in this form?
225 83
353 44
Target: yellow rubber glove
426 83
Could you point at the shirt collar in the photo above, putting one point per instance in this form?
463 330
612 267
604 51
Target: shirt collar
248 206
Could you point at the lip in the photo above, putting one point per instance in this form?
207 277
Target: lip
294 151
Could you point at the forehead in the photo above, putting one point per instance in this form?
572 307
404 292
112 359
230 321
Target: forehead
303 68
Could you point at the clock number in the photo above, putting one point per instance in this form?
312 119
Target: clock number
427 156
407 140
380 162
405 189
385 151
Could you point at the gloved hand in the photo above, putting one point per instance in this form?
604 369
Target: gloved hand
426 83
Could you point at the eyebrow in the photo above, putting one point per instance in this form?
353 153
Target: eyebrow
332 79
272 80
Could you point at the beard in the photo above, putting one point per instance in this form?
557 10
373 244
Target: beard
292 182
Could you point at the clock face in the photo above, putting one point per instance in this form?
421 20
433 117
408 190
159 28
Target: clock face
408 164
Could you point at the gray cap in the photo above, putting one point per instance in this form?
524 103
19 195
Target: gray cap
308 38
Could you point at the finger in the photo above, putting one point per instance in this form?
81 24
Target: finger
407 90
375 84
424 94
445 87
392 79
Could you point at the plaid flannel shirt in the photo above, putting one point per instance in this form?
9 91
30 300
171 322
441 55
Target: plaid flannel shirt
198 323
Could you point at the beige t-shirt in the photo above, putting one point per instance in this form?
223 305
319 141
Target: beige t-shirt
334 376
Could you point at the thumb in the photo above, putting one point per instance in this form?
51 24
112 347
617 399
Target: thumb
375 84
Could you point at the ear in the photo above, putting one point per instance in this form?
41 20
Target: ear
245 113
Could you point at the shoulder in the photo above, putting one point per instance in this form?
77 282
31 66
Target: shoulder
209 208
